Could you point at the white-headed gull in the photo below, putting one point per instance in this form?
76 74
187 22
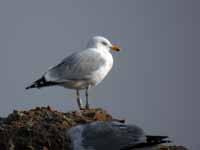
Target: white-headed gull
82 69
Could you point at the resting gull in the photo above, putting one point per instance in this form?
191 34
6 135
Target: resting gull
81 69
110 135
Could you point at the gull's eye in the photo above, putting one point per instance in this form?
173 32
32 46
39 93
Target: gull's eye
104 43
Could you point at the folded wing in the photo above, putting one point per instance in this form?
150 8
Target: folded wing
77 66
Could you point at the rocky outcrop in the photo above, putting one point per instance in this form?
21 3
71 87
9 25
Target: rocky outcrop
43 128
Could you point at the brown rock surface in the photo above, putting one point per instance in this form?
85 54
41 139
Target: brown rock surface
44 128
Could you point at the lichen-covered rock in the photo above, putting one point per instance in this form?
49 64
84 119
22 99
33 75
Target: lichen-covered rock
44 129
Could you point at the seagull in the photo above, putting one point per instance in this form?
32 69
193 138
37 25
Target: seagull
112 135
82 69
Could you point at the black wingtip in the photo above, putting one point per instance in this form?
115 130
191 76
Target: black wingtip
157 139
37 84
30 87
151 141
41 83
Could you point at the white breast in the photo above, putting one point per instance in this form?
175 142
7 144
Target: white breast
101 73
95 77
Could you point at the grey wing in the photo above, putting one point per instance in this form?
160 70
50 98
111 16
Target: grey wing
77 66
111 135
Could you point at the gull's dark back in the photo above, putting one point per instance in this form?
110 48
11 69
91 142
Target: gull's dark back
111 136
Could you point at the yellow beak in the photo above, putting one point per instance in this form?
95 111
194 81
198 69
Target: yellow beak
115 48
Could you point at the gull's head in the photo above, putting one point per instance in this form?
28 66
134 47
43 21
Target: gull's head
100 42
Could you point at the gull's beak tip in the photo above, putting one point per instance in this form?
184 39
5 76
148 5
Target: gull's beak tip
115 48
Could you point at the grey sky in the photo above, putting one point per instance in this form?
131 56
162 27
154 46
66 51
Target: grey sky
155 79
